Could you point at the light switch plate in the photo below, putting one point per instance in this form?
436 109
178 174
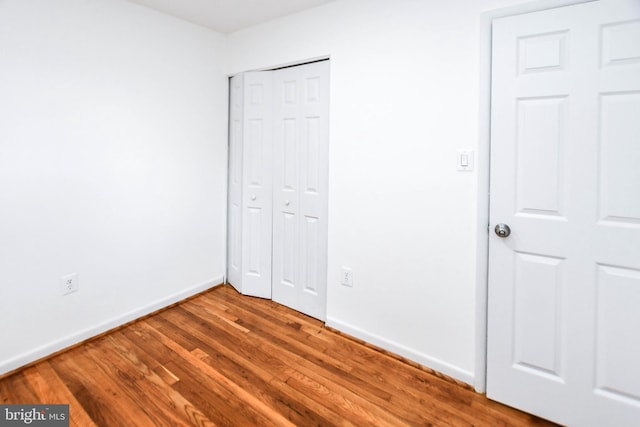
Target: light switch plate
465 160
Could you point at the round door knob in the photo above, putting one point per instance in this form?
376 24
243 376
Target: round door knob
253 197
286 203
502 230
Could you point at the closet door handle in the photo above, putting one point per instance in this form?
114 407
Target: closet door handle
253 197
286 203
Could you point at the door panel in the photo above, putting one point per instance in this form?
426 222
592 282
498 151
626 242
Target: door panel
540 189
619 157
310 241
538 315
288 257
617 367
620 43
286 195
300 187
564 287
234 241
257 185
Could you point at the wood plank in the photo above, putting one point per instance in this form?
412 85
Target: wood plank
99 395
246 367
227 388
158 399
16 389
50 389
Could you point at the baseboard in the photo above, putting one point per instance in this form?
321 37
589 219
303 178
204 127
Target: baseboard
57 346
423 359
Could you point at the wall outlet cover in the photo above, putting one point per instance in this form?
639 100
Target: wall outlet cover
69 283
346 277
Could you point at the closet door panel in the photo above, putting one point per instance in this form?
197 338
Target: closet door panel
286 184
301 114
234 231
257 184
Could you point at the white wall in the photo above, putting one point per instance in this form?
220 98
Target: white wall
404 97
112 165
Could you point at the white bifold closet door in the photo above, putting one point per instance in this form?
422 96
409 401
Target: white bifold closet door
278 179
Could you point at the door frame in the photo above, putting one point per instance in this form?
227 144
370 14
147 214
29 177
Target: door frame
484 167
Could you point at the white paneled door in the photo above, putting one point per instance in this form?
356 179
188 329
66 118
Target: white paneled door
234 202
301 126
278 178
257 184
564 285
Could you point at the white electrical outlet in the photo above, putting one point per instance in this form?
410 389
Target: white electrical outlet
347 277
69 283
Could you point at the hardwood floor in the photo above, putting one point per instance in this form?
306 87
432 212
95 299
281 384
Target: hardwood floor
228 360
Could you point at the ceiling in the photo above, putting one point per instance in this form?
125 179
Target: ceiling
227 16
